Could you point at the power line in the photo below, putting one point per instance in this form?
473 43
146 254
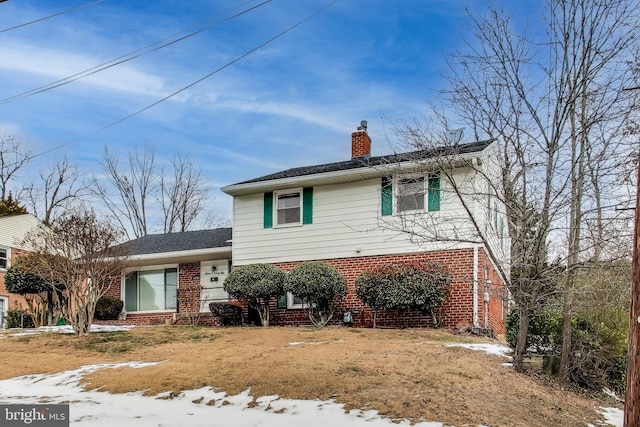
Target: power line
82 6
135 53
190 85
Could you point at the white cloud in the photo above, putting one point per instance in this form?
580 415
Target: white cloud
49 65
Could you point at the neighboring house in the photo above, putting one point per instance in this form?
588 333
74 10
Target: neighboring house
13 230
171 276
353 215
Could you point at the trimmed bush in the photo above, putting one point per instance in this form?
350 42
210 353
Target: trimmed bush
108 308
403 287
256 284
320 286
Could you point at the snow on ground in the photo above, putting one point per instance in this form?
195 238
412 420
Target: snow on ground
202 407
497 349
66 329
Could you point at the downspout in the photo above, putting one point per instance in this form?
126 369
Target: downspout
476 323
475 287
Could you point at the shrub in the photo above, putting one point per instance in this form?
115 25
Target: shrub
545 330
256 284
599 351
320 286
108 308
228 314
17 281
404 286
19 318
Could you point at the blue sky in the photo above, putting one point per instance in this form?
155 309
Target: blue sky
293 102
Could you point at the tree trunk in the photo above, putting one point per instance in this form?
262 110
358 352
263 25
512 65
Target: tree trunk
521 344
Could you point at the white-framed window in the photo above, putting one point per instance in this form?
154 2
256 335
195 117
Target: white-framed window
5 258
294 301
288 207
151 289
410 194
290 301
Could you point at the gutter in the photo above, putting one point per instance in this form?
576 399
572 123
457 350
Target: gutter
181 254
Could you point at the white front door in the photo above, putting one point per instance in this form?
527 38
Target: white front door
212 277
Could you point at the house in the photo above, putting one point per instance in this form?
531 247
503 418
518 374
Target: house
171 276
369 211
354 215
13 230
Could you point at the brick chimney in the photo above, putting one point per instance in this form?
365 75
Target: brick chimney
361 142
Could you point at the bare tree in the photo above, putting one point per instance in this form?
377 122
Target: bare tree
14 155
59 188
78 255
127 192
143 195
183 195
551 104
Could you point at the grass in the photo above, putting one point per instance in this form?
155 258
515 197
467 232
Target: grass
401 373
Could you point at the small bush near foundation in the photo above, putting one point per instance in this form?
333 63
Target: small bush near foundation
108 308
257 284
229 314
320 286
19 319
421 286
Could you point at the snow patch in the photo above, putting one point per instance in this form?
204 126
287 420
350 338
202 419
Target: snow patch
497 349
67 329
204 407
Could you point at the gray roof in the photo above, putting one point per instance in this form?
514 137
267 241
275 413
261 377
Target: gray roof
185 241
361 162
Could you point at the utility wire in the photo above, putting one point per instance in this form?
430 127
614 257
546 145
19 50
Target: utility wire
227 65
82 6
135 53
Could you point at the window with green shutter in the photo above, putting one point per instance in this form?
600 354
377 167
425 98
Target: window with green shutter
434 192
288 207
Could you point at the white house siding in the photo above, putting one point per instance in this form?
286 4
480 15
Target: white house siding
13 229
347 222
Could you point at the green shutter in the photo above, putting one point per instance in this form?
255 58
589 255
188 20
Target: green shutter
307 205
282 301
268 210
387 196
434 192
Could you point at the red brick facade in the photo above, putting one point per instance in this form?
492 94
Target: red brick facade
456 313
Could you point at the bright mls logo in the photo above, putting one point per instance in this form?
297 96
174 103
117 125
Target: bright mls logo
34 415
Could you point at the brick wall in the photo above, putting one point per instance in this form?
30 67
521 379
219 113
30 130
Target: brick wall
457 312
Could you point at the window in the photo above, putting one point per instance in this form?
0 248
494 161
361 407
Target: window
4 258
288 207
290 300
410 194
151 290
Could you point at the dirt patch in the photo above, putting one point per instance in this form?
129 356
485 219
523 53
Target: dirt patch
400 373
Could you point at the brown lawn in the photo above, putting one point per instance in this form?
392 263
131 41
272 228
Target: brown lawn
400 373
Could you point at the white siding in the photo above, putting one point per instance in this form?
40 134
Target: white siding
13 229
347 222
